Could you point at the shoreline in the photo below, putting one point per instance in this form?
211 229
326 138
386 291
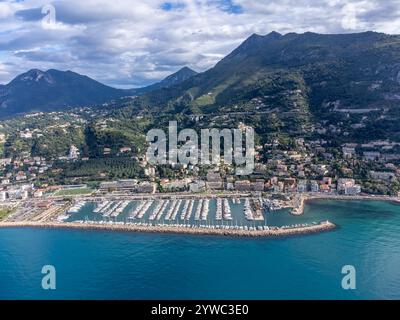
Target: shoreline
298 209
273 232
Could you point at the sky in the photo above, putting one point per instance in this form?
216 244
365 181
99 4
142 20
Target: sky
133 43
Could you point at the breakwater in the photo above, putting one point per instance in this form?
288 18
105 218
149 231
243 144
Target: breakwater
178 229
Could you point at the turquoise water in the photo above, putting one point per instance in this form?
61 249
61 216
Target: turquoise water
111 265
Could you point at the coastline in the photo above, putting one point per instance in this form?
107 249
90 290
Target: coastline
298 208
273 232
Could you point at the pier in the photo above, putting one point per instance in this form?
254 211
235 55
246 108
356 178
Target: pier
205 210
248 212
185 209
159 210
119 209
144 209
189 210
176 209
218 214
198 210
227 210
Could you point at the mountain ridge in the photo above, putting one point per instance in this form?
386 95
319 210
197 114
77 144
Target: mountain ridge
55 90
307 79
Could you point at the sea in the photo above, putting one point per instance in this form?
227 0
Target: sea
116 265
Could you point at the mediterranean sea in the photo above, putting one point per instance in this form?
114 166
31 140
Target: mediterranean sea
116 265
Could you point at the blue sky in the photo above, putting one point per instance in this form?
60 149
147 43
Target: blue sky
130 43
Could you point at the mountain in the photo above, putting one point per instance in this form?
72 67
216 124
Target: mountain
304 81
52 90
176 78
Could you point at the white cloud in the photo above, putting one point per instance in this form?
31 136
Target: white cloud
134 42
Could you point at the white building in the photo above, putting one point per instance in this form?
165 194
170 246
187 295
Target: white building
314 186
73 153
352 191
302 186
345 183
197 186
3 196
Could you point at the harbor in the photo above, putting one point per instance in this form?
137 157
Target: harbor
232 213
211 249
219 211
236 216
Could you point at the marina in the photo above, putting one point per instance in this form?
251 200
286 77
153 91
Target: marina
212 211
209 212
242 214
158 210
146 206
135 212
218 214
205 210
227 210
248 211
264 251
198 210
185 210
76 208
176 210
118 209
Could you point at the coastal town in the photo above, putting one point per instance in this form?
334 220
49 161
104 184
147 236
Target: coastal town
40 189
182 205
312 166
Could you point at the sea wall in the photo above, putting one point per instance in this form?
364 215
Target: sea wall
275 232
300 203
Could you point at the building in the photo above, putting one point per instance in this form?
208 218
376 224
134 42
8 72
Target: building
290 184
20 176
371 156
197 186
385 176
125 150
73 153
5 161
352 191
26 134
314 186
324 188
214 181
348 152
257 185
243 185
150 172
120 185
129 186
3 196
175 185
345 183
327 181
302 186
279 186
146 187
